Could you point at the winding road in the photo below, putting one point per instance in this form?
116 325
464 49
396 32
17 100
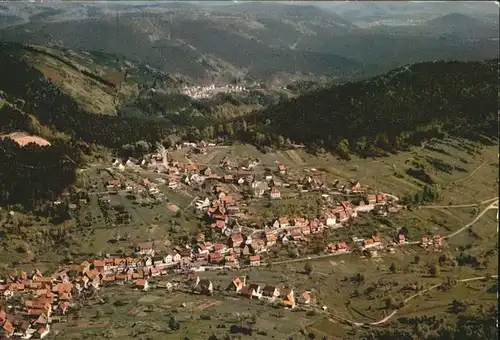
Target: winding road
493 205
394 312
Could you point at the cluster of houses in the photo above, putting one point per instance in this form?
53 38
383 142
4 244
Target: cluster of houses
284 295
199 92
48 298
427 241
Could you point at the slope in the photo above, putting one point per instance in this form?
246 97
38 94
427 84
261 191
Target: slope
462 26
387 112
181 41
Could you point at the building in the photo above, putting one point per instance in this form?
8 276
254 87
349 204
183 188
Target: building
275 193
371 199
142 284
305 298
288 297
236 240
271 291
236 284
145 248
284 222
255 260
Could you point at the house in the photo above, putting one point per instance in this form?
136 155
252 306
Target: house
176 257
342 247
271 291
113 183
299 222
282 169
288 297
169 258
252 291
275 193
220 248
204 286
99 265
437 240
376 241
236 240
43 331
276 224
357 188
425 241
173 183
203 249
348 209
255 260
215 258
271 239
259 246
330 220
145 248
305 298
200 237
381 199
368 243
231 261
316 226
284 222
142 284
236 284
371 199
148 261
8 329
401 239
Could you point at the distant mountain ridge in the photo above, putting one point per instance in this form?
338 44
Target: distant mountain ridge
246 41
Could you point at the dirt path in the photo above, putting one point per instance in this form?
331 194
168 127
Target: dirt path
394 312
493 205
469 205
414 186
471 174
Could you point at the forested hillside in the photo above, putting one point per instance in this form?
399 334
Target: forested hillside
30 103
386 113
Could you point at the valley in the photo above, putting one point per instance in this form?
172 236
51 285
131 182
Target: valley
248 171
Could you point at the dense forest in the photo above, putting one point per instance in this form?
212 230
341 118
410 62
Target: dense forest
386 113
24 171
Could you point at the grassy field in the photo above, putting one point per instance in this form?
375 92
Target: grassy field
92 95
133 315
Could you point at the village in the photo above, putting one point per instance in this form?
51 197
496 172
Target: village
201 92
231 239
